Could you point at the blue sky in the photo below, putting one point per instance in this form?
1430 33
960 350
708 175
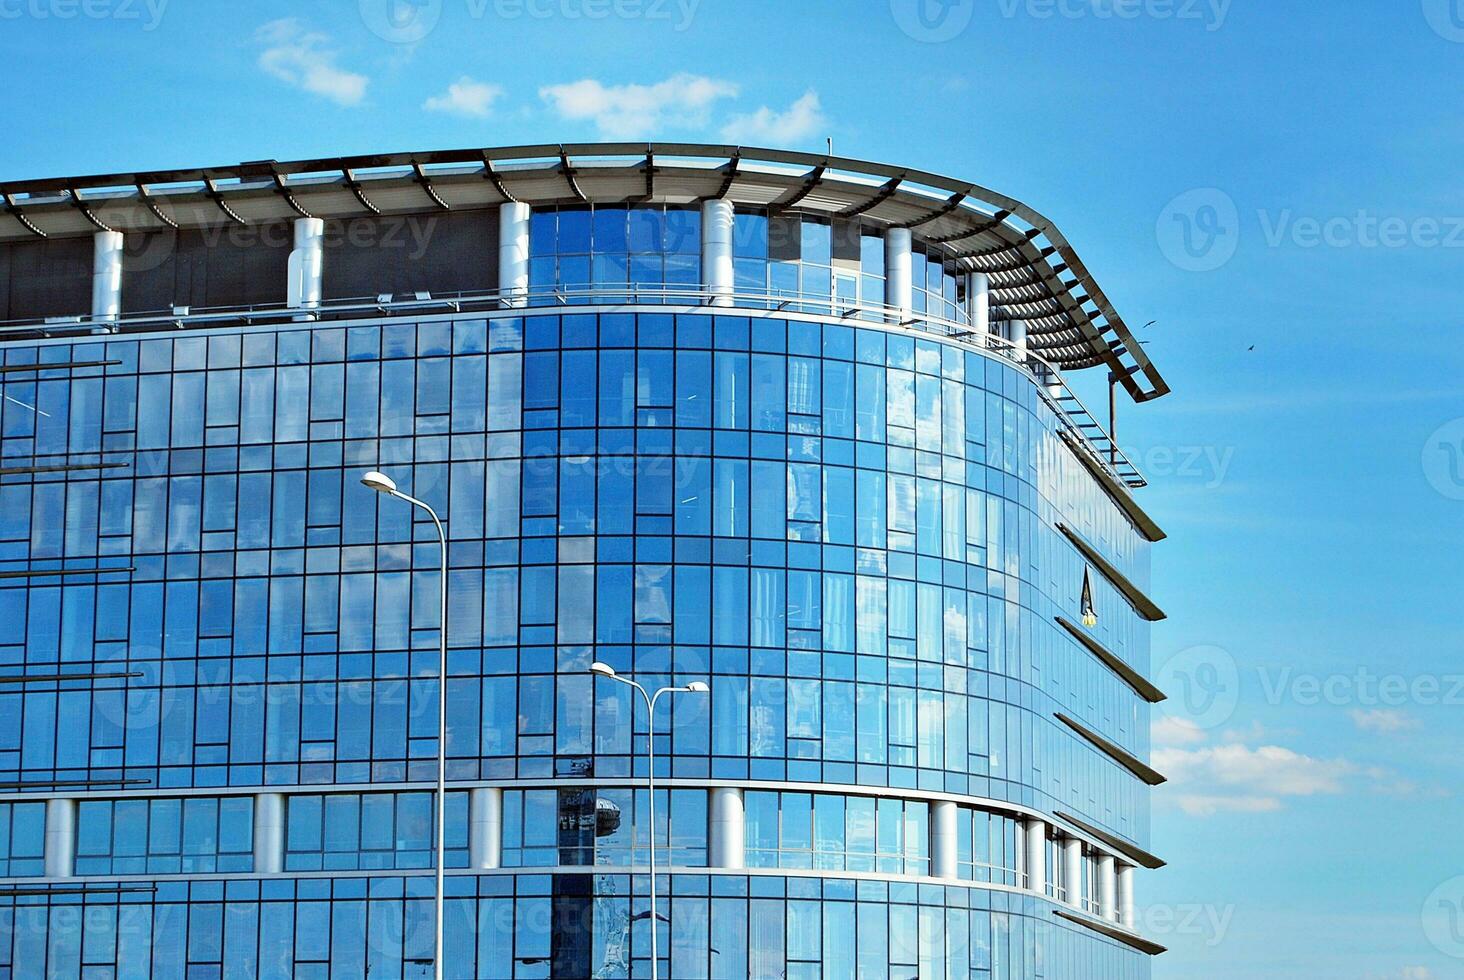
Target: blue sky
1275 182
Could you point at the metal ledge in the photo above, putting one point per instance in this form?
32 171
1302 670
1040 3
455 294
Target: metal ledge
59 678
1114 662
1126 759
58 468
45 572
1112 931
1120 494
1137 854
63 366
1142 604
69 887
51 785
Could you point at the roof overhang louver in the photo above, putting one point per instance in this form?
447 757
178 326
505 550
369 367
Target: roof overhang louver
1035 273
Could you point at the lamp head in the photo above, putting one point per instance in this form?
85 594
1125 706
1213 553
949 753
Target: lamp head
698 687
604 670
379 482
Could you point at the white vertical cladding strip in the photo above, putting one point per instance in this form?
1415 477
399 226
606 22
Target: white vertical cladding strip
897 272
307 262
1037 856
1073 868
944 838
717 226
106 303
60 838
513 253
1127 913
269 833
727 847
978 301
1108 887
485 835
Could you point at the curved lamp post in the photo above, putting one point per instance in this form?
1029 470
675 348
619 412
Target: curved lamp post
382 483
695 687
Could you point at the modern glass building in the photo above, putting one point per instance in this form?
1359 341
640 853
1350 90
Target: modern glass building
793 426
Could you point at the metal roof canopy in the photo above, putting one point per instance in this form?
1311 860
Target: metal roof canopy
1035 273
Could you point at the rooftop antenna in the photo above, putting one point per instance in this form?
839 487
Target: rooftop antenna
831 145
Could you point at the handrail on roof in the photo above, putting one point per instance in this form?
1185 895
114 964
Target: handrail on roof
1078 420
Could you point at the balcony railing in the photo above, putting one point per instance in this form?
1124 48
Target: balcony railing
1069 408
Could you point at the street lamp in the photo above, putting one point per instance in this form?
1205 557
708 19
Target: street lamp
382 483
695 687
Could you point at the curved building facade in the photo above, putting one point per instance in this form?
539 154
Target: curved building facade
794 427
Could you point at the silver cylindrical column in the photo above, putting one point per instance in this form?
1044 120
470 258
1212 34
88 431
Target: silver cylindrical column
1108 887
1017 333
1127 913
1073 870
513 252
727 846
307 263
269 833
485 828
106 303
1037 856
718 218
897 272
978 301
60 838
944 839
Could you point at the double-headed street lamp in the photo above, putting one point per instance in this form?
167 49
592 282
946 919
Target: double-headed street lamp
695 687
382 483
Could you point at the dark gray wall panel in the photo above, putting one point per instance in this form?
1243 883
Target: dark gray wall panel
49 277
428 252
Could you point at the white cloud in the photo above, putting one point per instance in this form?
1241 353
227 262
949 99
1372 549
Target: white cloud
804 118
1167 730
1197 805
1224 774
466 97
1236 778
631 111
1382 721
305 59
